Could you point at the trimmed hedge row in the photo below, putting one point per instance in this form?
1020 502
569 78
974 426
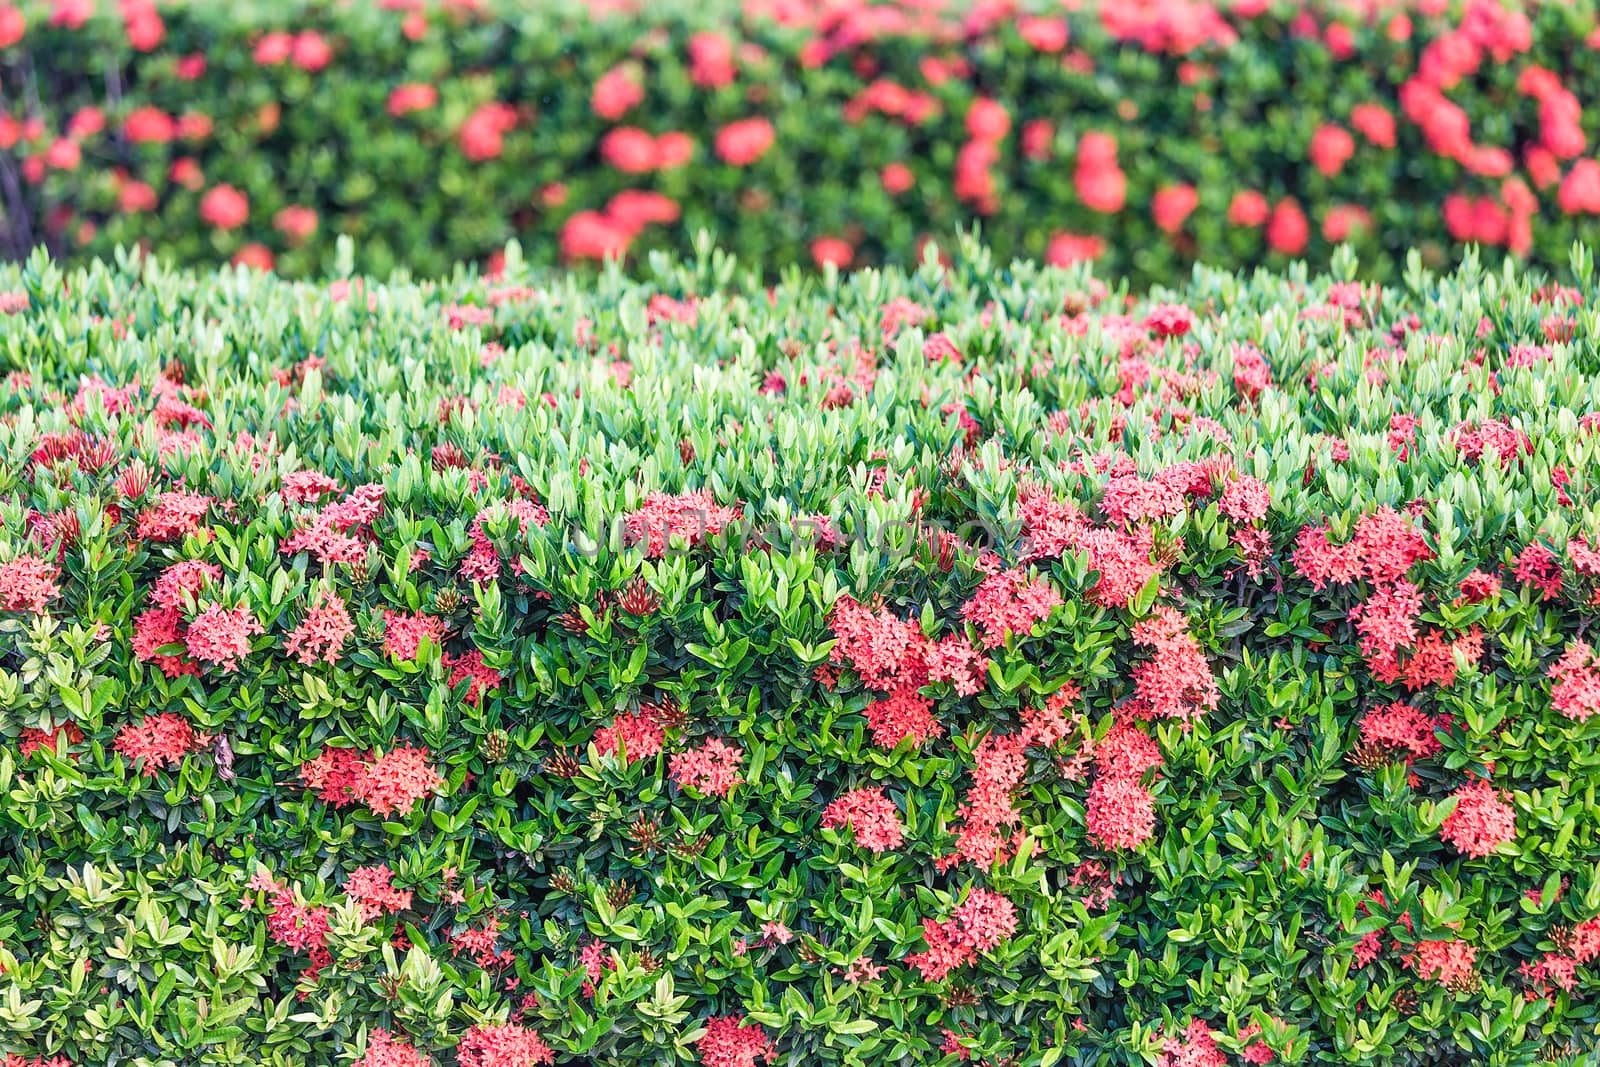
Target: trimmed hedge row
973 664
1150 135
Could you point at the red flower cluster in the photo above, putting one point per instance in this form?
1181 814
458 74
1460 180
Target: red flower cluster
733 1041
1576 692
339 531
404 632
1481 821
891 654
470 667
1452 963
998 767
871 815
688 519
502 1045
34 739
712 769
979 923
482 135
393 782
641 734
1196 1048
174 516
159 741
743 142
903 714
1009 602
27 583
1121 812
224 207
1098 179
1176 681
1403 730
633 151
1383 547
220 636
385 1050
322 633
373 889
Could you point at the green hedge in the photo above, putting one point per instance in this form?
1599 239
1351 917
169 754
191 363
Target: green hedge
972 664
1152 135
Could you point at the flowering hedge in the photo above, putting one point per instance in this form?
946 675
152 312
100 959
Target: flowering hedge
969 665
1147 134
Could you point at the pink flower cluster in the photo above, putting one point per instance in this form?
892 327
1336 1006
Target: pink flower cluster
871 815
733 1041
392 782
687 518
978 924
27 583
1481 822
712 769
1009 602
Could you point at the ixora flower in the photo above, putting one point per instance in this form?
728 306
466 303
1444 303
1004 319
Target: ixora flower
986 919
173 516
1331 147
870 815
396 780
405 99
322 633
224 207
1172 205
901 715
988 812
386 1050
639 734
1009 602
711 60
687 518
1449 962
1121 812
256 256
1576 692
372 887
712 769
404 632
733 1041
1068 248
616 92
220 637
503 1045
34 739
1194 1047
1481 822
389 783
482 136
981 922
743 142
832 250
159 741
1098 179
149 125
28 583
1287 229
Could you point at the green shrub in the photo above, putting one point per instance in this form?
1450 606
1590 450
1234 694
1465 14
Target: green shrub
976 664
1150 134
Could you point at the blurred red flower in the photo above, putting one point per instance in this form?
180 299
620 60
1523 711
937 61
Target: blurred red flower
745 141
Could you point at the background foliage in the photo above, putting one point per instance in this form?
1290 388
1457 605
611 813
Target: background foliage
1150 134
